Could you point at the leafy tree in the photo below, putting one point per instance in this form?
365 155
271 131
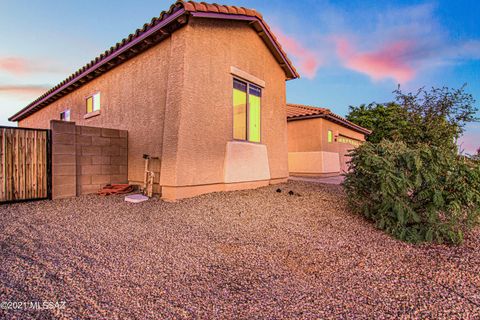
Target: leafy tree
436 117
419 193
476 156
408 176
387 121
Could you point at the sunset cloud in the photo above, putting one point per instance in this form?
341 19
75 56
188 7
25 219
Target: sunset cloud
469 144
306 60
391 60
21 66
24 90
13 65
400 43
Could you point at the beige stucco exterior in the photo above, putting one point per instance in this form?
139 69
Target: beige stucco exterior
175 101
310 153
133 97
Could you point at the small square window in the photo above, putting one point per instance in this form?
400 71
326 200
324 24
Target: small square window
65 115
93 103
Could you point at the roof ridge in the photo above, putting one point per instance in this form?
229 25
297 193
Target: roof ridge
321 112
191 7
304 106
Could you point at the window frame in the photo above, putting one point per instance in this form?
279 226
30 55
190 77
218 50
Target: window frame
64 112
94 112
330 136
248 84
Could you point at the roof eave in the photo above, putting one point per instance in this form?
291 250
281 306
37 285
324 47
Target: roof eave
333 119
264 33
25 111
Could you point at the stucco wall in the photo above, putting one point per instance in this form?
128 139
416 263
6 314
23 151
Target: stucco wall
310 136
175 100
204 117
313 162
133 97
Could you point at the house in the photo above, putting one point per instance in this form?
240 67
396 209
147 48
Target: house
201 87
319 141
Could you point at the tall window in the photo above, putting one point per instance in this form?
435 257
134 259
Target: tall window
330 136
246 111
65 115
93 103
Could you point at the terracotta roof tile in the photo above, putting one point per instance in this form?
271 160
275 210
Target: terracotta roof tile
189 7
200 6
212 7
240 10
221 9
250 12
300 111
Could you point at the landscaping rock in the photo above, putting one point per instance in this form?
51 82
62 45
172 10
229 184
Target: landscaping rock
243 254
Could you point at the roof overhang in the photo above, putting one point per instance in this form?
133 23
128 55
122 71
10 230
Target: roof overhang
338 120
103 63
145 38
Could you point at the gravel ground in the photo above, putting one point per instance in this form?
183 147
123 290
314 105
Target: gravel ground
246 254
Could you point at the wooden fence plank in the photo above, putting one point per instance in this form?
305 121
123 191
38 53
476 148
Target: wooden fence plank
23 164
3 182
34 165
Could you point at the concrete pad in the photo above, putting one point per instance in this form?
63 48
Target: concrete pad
327 180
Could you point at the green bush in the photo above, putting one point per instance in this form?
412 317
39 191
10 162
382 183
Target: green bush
420 193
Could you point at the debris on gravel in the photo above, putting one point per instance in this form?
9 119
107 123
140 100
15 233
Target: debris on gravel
245 254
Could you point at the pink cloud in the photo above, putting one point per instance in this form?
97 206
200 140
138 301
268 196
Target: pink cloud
469 142
389 61
13 65
24 90
307 61
21 66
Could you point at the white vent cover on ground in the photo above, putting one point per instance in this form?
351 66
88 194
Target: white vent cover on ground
136 198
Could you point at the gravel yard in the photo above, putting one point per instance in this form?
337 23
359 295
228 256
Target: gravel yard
246 254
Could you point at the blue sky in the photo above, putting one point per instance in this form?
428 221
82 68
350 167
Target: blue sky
347 52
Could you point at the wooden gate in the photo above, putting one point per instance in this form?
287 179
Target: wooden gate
25 164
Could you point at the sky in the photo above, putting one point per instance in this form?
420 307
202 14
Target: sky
347 52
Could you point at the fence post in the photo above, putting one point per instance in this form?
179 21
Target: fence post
49 164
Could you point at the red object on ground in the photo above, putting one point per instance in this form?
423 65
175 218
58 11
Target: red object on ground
110 189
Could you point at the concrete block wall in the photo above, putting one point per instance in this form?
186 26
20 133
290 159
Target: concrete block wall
84 159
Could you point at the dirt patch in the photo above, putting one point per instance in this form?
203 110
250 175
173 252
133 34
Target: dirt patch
256 253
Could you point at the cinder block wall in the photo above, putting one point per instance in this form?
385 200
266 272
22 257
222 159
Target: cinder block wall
86 158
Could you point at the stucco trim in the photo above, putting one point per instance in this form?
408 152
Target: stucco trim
91 114
246 162
247 76
173 193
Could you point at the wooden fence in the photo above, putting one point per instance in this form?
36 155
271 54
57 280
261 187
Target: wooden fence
25 164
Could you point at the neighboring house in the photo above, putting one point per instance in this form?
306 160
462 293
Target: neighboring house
202 87
319 141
